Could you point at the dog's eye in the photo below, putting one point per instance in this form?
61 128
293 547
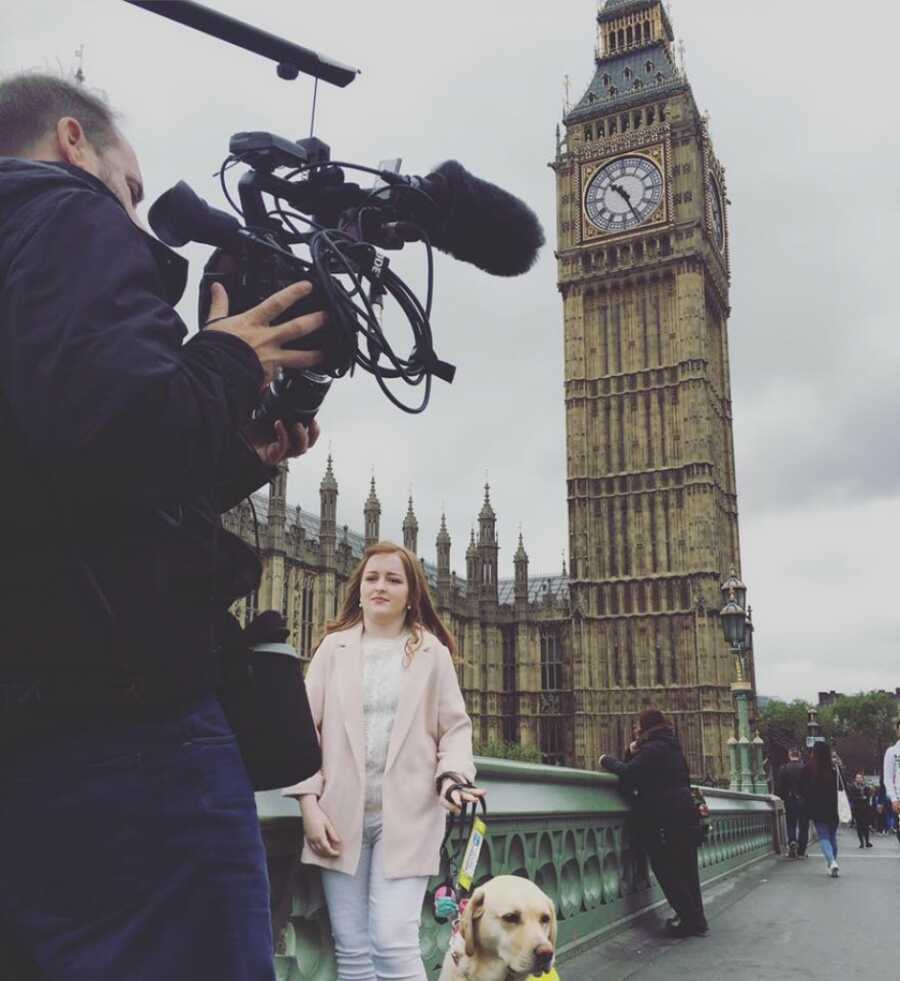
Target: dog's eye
545 918
512 918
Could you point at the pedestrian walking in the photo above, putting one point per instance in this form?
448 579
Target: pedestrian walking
860 807
888 818
666 821
396 756
819 787
891 778
789 790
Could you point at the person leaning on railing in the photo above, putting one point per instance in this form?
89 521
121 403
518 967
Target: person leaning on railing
657 777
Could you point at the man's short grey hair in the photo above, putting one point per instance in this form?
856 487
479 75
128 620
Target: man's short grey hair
32 103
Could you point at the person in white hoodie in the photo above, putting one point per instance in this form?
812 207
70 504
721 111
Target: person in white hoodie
892 774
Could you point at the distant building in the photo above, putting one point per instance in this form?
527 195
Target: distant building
830 697
513 635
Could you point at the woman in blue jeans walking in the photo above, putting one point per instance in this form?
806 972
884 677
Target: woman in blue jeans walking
819 784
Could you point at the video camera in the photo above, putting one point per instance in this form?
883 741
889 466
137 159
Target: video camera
346 231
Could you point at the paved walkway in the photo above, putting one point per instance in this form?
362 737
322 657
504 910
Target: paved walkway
778 920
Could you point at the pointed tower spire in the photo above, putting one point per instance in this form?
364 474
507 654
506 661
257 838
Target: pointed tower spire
328 481
443 562
487 520
372 516
328 494
521 555
277 519
520 562
488 549
411 529
473 577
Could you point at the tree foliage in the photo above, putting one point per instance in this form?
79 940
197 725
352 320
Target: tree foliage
871 715
783 724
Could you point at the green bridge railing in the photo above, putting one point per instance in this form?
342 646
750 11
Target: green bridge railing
567 830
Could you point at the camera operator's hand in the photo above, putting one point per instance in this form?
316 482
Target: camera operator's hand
274 444
253 328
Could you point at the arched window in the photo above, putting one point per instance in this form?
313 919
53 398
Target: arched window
629 35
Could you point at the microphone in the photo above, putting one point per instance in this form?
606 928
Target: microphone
478 222
291 58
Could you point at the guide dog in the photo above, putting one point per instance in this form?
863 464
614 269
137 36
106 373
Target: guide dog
507 932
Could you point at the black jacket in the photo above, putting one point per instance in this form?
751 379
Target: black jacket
789 785
120 447
659 780
820 795
860 803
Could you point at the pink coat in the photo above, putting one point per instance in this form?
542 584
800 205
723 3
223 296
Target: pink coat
432 734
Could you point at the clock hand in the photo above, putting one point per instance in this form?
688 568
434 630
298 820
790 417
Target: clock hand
621 192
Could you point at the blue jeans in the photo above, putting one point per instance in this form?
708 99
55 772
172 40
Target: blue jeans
132 850
827 840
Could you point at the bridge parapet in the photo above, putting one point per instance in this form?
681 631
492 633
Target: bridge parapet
567 830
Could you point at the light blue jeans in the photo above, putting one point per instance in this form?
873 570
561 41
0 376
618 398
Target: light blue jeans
827 840
375 920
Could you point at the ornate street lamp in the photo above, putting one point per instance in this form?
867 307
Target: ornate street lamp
734 622
737 627
733 585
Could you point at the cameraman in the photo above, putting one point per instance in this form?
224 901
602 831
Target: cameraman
129 843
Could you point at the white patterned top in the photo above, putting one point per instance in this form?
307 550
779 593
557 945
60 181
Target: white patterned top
382 673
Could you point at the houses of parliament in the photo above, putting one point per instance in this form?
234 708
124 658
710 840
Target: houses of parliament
564 663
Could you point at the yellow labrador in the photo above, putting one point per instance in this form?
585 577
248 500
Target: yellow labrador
507 933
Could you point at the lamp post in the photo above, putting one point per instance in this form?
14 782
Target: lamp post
813 729
746 753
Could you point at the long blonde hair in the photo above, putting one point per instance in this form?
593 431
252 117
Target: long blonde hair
421 613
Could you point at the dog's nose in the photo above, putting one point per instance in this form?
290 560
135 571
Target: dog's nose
543 958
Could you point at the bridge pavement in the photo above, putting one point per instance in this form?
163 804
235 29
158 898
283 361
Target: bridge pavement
778 920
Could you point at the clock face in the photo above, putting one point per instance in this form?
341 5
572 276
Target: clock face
715 210
623 194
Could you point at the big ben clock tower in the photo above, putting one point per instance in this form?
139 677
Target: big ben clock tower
644 277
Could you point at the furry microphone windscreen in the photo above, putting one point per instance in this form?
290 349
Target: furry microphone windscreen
483 224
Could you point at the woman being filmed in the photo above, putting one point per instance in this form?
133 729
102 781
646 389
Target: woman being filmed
396 745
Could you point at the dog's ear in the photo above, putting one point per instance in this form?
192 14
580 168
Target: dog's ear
553 924
468 926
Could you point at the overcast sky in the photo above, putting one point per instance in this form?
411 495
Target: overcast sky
803 115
